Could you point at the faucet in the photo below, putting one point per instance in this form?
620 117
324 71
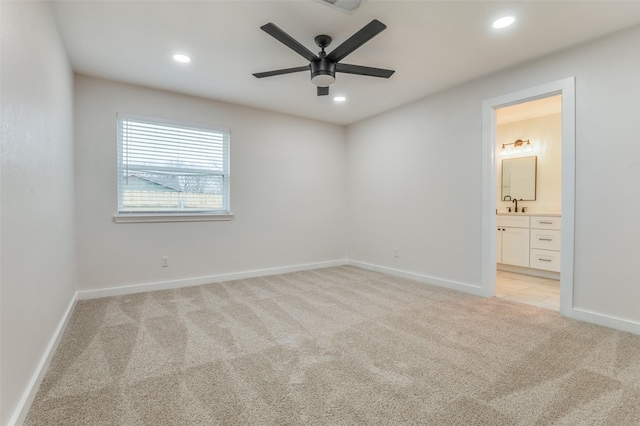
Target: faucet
515 200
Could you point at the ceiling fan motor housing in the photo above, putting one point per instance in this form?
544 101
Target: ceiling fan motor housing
323 72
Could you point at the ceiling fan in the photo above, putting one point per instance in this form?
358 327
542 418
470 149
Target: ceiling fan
324 66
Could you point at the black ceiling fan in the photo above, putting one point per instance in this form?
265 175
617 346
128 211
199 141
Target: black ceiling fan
324 66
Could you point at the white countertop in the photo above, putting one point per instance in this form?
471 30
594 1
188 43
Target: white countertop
530 214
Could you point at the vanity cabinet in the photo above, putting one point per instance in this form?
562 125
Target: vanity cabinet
529 241
512 240
545 243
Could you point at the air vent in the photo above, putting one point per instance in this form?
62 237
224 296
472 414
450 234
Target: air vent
348 6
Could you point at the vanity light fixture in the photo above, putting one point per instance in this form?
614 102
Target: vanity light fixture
518 147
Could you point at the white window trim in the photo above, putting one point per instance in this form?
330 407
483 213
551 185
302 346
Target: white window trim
204 216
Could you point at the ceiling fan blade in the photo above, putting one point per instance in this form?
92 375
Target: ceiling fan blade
360 70
323 91
368 32
289 41
280 72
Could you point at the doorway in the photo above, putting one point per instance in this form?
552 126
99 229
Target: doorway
529 187
490 158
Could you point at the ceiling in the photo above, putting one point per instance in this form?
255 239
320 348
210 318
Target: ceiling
432 45
529 110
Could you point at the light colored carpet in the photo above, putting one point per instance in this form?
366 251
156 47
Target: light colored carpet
335 346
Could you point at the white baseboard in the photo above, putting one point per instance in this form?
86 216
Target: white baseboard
188 282
21 411
454 285
605 320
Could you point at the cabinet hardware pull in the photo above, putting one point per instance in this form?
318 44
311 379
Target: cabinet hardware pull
545 239
546 223
545 260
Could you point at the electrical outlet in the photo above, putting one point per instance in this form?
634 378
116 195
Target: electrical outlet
165 261
396 253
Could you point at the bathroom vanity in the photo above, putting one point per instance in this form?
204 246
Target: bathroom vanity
528 240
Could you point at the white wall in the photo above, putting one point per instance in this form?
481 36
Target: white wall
545 134
412 187
414 176
287 192
37 207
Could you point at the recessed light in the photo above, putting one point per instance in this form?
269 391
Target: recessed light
504 22
181 58
339 99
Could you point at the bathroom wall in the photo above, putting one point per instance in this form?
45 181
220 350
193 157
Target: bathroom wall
545 134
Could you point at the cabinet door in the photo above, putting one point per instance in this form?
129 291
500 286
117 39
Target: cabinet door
515 246
499 246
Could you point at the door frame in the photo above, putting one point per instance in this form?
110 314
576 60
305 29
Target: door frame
566 88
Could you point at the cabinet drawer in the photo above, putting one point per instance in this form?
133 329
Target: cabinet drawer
545 259
513 221
545 222
545 239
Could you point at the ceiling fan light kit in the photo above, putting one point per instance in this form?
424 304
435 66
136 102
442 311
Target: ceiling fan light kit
323 78
323 66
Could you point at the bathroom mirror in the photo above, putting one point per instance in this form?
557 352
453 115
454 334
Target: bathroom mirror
519 178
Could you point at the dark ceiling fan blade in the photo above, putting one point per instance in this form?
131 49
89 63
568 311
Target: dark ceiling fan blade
368 32
279 72
289 41
360 70
323 91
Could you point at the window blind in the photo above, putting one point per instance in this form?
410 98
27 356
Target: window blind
171 167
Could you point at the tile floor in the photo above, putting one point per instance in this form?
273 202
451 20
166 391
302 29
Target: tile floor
536 291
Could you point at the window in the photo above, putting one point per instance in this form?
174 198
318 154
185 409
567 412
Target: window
169 169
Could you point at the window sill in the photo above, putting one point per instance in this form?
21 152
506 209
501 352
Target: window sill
169 217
